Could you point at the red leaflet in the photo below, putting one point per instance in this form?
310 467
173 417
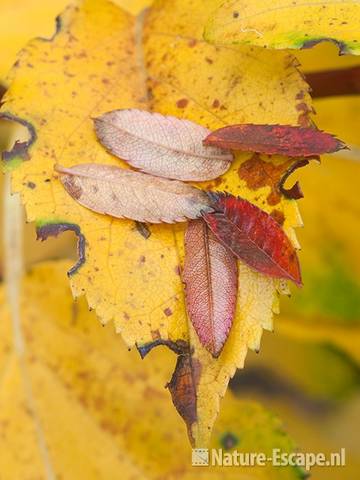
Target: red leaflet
210 277
253 236
275 139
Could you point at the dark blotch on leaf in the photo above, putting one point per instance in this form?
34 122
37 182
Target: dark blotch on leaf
70 183
2 91
143 229
182 103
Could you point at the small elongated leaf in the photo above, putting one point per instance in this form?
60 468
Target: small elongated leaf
210 276
161 145
275 139
125 194
253 236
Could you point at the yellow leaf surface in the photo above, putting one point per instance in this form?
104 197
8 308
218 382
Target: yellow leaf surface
102 59
77 405
286 24
22 20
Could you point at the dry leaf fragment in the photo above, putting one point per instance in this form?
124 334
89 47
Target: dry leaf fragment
275 140
161 145
122 193
253 236
210 276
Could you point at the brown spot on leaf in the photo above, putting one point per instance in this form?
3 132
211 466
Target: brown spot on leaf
143 229
155 334
31 185
72 186
304 119
182 103
278 216
109 426
216 103
2 91
168 312
259 173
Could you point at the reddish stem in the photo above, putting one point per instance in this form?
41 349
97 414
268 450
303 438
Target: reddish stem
328 83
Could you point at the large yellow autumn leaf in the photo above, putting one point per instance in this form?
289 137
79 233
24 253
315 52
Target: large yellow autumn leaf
286 24
22 20
75 404
102 58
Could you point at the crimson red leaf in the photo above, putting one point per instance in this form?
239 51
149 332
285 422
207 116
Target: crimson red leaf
253 236
275 139
210 277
